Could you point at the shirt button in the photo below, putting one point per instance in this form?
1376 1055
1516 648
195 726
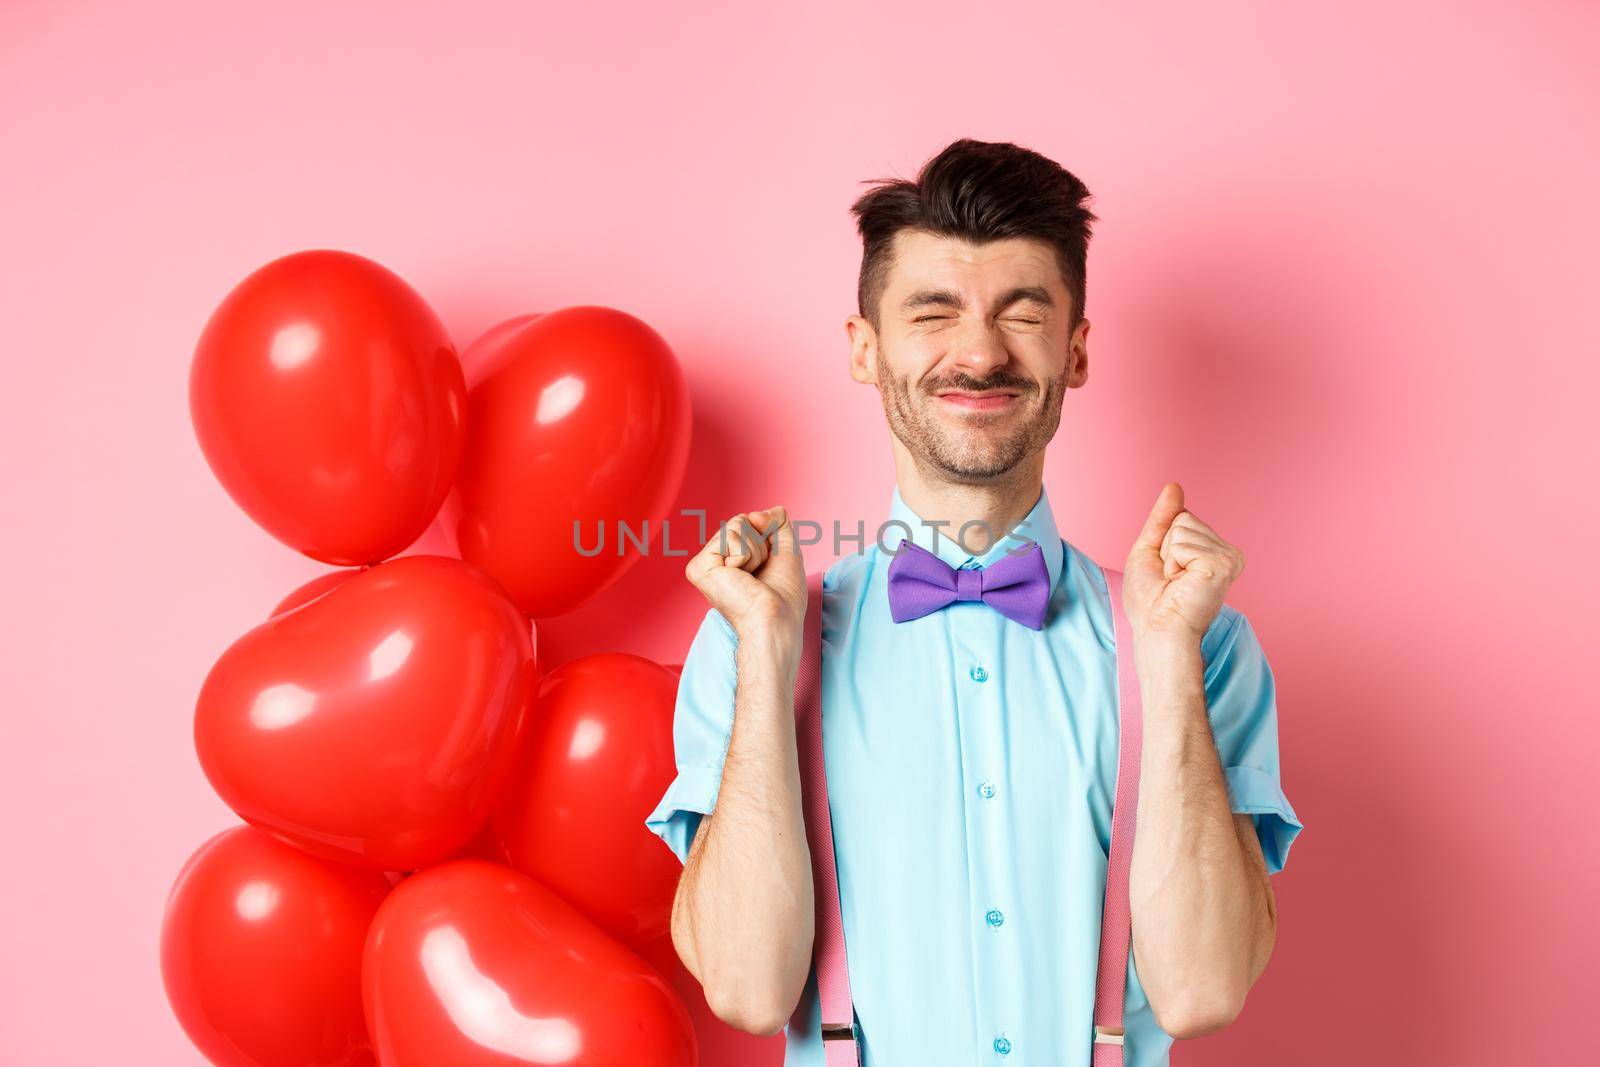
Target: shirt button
979 674
986 790
994 917
1002 1046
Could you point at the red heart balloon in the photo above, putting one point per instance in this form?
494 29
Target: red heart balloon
328 400
472 964
597 758
575 416
308 592
376 724
261 950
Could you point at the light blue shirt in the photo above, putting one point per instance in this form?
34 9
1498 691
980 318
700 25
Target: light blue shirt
971 763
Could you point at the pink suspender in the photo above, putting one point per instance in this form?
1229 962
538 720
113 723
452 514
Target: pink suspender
840 1034
1116 926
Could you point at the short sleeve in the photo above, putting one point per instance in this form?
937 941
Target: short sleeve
1241 701
702 726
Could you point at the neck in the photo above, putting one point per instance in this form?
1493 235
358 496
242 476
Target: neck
993 507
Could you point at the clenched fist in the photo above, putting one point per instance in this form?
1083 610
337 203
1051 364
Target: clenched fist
1178 572
752 572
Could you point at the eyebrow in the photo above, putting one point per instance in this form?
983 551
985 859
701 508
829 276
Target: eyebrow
952 299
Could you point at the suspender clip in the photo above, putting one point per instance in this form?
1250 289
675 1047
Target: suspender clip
850 1031
1108 1035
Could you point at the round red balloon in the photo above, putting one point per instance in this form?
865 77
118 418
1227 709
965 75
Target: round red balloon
577 416
376 724
329 401
597 759
473 964
261 951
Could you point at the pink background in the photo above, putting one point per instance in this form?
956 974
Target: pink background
1343 290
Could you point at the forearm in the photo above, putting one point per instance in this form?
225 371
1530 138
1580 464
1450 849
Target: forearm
743 918
1202 911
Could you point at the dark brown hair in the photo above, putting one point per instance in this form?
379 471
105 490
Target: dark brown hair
978 191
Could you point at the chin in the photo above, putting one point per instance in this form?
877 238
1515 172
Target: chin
975 465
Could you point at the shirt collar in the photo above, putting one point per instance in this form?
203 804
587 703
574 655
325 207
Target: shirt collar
1038 525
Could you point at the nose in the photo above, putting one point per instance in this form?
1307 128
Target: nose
979 352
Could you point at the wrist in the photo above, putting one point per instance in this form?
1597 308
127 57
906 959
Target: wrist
1168 661
770 643
1167 642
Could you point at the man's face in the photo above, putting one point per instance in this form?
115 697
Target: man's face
974 351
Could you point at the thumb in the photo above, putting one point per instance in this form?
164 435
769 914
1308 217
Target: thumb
1169 505
778 532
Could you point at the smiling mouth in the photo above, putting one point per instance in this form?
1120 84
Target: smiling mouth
994 400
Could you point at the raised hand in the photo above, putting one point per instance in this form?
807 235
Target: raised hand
752 572
1178 572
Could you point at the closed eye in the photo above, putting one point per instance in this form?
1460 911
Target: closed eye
931 318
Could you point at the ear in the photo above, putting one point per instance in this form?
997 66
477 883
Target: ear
863 349
1078 355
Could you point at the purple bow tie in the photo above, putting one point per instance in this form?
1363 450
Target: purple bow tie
1016 585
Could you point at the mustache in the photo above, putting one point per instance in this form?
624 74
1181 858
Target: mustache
968 383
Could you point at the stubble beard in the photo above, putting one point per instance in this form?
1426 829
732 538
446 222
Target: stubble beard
977 455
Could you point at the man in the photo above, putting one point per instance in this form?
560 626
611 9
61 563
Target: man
971 758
